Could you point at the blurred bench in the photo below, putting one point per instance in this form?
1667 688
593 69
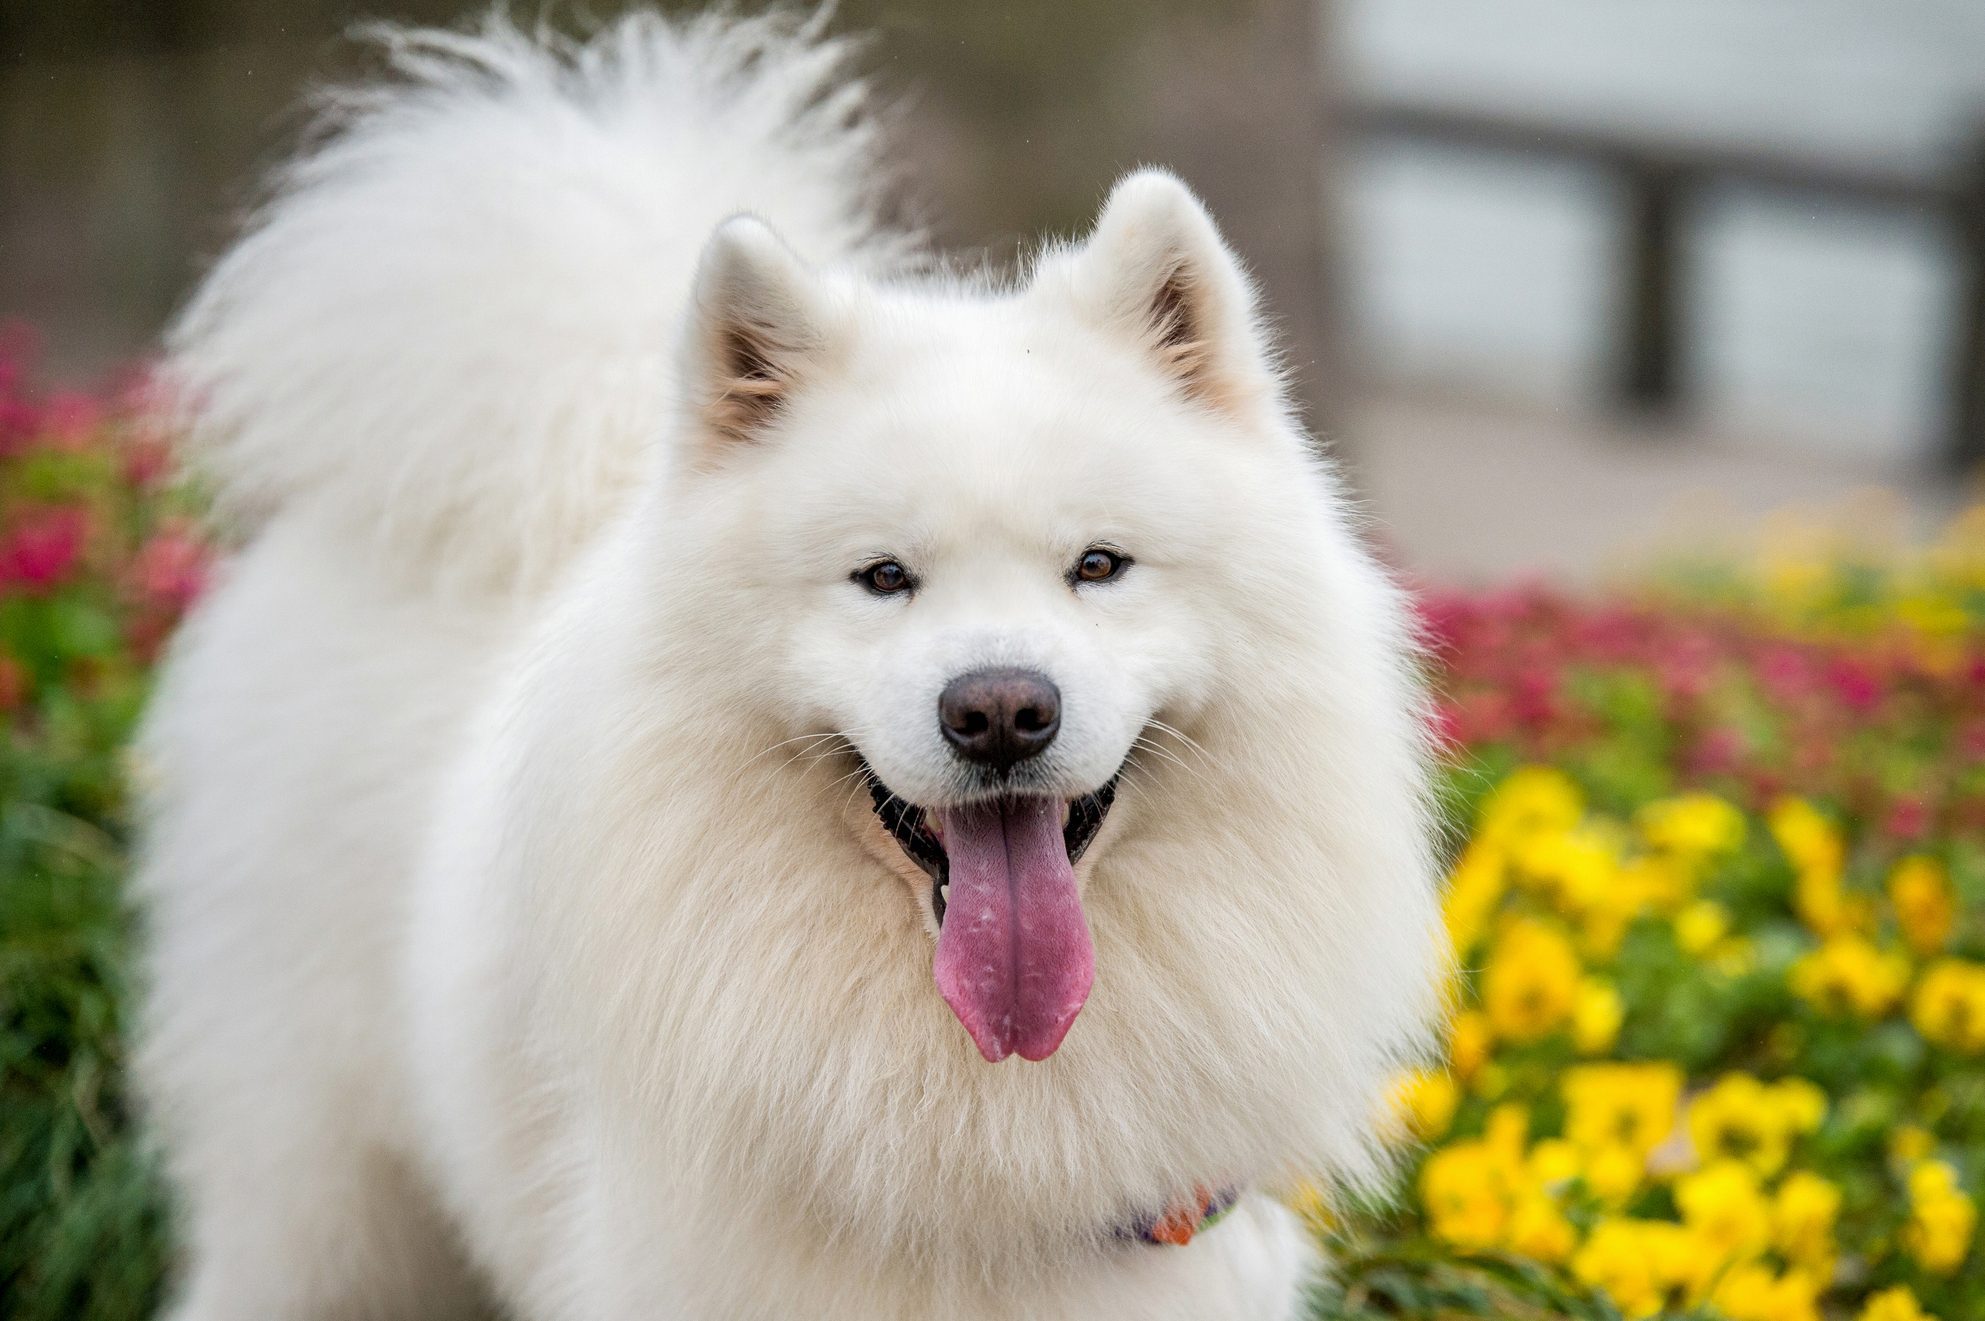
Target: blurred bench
1660 178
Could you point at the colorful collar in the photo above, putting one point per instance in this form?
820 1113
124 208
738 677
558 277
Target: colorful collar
1183 1218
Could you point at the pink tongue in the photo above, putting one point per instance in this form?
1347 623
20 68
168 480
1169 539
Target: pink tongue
1014 960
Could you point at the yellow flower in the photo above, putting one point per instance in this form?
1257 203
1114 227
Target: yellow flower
1949 1006
1531 981
1911 1143
1925 907
1596 1016
1469 1190
1699 926
1809 840
1897 1304
1570 870
1725 1205
1848 976
1754 1293
1802 1216
1615 1115
1425 1101
1643 1265
1489 1193
1307 1200
1506 1130
1743 1119
1539 1230
1553 1163
1474 888
1531 799
1941 1219
1814 847
1631 1106
1469 1042
1802 1103
1735 957
1696 826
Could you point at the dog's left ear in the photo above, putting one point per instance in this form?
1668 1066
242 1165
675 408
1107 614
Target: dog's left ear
1157 273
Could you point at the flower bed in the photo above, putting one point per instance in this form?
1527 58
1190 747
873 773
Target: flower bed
1719 1041
1720 1035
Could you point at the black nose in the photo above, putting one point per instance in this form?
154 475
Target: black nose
998 717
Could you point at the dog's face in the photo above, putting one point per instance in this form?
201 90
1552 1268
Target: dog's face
994 543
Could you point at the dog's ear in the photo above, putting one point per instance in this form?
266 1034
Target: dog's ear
755 330
1157 272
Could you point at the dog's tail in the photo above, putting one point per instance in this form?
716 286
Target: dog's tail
451 329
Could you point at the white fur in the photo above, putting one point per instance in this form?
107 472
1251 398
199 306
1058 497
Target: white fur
517 928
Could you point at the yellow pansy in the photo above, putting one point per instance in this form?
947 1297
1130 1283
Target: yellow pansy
1642 1265
1530 799
1701 925
1941 1219
1538 1228
1724 1204
1469 1042
1570 870
1849 977
1553 1163
1803 1212
1308 1200
1531 981
1615 1115
1809 840
1756 1293
1694 826
1620 1105
1814 847
1911 1143
1596 1016
1469 1190
1474 888
1925 907
1424 1100
1744 1119
1897 1304
1948 1007
1507 1129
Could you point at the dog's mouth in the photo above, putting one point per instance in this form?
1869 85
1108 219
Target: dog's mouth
919 834
1014 960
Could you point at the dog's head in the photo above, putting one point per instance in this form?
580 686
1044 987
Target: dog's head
1011 549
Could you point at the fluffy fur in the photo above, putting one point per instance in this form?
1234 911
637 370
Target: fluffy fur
520 928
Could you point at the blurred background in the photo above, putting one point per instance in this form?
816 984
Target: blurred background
1564 280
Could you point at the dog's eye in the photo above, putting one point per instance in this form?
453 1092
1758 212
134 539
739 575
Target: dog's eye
1098 565
885 578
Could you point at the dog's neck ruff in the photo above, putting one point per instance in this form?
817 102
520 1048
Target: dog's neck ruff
1176 1225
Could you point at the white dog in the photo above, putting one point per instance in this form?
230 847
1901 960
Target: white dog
690 706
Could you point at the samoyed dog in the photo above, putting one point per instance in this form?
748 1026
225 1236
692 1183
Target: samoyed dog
701 691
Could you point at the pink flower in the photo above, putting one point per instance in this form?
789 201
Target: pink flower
41 550
1854 683
170 569
70 421
1908 820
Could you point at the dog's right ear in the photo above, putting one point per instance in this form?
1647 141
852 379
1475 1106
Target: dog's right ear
754 332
